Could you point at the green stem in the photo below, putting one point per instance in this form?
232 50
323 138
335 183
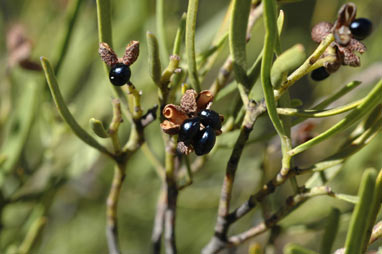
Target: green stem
306 66
190 43
311 113
160 5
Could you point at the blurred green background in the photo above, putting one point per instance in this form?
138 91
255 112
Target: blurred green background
56 175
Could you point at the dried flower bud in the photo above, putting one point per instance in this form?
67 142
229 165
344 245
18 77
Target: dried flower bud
131 53
174 113
107 54
188 101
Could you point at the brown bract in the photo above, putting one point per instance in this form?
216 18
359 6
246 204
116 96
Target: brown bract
110 58
345 47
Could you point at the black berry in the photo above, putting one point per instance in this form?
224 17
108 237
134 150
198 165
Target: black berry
119 74
189 130
205 141
210 118
319 74
361 28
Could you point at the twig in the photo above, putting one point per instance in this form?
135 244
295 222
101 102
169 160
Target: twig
292 203
223 220
171 197
156 237
111 209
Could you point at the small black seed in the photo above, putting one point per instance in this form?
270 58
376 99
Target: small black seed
205 141
361 28
319 74
210 118
119 74
189 130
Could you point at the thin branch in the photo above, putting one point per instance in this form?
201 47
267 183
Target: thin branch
111 209
291 204
156 236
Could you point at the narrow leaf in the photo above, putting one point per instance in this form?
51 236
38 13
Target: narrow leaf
190 43
64 111
330 232
98 128
269 44
160 5
287 62
375 206
19 127
104 22
369 103
348 198
358 224
237 39
154 61
179 35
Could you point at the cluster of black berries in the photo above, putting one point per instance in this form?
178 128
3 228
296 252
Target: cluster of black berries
360 29
199 131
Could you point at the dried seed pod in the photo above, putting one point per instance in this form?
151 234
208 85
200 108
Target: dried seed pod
346 15
131 53
174 113
107 54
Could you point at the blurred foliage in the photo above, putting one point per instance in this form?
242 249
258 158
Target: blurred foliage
46 171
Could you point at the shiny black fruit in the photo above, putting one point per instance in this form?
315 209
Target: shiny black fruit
189 130
319 74
361 28
119 74
210 118
205 141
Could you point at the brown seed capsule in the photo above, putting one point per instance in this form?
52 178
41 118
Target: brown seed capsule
107 54
131 53
174 113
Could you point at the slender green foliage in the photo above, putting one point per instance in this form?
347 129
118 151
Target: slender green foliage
357 232
64 111
192 12
237 39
